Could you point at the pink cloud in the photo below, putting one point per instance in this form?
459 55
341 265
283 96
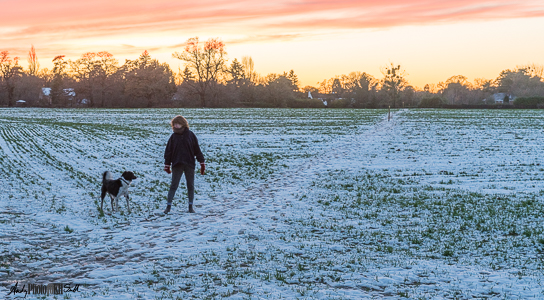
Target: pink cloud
24 22
61 15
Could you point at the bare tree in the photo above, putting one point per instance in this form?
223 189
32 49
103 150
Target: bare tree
10 71
278 90
325 87
533 70
484 88
83 71
456 90
33 64
104 67
46 75
361 87
393 82
206 62
249 70
92 71
520 83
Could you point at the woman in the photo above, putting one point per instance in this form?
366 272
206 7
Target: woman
179 158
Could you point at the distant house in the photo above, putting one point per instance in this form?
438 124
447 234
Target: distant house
501 97
318 95
69 94
45 95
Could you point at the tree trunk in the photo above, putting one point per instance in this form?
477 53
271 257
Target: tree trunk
11 90
202 98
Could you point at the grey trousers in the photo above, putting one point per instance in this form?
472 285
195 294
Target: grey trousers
177 172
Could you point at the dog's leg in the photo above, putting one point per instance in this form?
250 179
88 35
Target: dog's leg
111 196
128 204
117 202
102 195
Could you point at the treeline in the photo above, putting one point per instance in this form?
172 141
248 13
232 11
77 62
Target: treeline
209 80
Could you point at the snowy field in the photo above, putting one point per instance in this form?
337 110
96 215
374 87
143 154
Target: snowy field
295 204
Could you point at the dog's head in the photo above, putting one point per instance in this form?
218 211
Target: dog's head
128 176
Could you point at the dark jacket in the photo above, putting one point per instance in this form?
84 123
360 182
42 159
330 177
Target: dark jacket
182 148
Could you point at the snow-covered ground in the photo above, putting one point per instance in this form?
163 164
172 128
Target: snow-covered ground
295 204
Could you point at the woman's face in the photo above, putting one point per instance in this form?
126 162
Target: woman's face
177 126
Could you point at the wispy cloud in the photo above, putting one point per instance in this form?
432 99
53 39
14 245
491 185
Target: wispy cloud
77 23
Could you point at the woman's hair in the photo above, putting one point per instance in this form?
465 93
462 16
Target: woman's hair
179 120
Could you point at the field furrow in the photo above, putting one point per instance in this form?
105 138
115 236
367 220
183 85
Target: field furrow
307 204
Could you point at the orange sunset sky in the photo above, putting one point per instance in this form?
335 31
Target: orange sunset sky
432 39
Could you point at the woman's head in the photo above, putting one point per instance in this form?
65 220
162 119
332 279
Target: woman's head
179 122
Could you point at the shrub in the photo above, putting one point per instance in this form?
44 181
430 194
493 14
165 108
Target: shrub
306 103
531 102
339 103
431 102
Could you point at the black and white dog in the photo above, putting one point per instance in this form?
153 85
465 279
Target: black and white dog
116 188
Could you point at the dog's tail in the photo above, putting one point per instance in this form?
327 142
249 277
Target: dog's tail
105 176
